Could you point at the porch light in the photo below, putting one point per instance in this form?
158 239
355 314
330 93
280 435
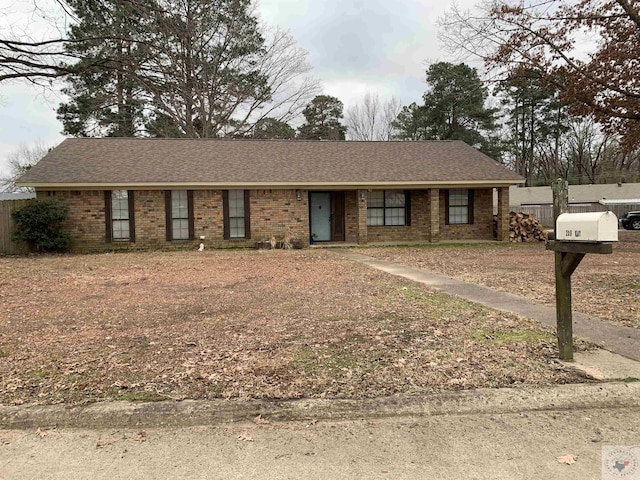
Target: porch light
298 195
363 195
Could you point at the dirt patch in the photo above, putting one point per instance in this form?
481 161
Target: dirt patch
607 286
262 324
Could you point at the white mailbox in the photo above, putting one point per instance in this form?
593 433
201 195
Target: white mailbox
587 227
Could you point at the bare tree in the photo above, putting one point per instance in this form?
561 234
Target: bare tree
372 120
286 70
38 51
20 161
390 112
215 71
586 49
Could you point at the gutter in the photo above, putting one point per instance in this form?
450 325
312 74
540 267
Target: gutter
267 185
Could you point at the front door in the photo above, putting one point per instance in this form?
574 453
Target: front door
327 216
320 206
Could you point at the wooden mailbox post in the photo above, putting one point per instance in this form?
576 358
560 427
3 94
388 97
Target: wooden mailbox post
568 255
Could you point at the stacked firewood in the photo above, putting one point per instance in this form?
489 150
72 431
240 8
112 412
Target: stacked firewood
525 227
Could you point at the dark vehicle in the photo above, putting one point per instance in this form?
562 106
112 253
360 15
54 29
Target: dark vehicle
631 220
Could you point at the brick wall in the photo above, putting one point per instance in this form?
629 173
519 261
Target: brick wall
434 215
417 231
208 216
351 216
278 213
150 218
85 221
503 214
482 227
273 213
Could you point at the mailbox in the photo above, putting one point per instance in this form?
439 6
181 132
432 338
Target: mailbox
587 227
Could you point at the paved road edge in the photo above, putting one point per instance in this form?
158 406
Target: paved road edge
195 412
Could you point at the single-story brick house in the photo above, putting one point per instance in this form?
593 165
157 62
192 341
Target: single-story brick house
158 193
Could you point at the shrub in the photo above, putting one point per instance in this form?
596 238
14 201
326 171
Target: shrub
39 224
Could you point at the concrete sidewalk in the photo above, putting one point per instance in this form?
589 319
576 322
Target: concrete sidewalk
622 340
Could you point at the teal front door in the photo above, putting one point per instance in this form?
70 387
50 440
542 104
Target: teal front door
320 209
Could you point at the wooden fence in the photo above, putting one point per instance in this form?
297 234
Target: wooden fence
7 247
544 213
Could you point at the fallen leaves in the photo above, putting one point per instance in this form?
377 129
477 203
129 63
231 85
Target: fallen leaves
261 421
43 433
604 285
105 442
269 325
568 459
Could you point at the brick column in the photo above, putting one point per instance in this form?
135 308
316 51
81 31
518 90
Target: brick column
434 215
361 199
503 214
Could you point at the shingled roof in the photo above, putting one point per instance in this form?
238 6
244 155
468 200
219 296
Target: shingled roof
137 162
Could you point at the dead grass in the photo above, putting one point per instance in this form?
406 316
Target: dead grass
607 286
266 324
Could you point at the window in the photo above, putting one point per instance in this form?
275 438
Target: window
119 216
459 206
179 208
388 207
236 214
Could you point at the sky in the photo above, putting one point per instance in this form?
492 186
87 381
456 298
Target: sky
355 47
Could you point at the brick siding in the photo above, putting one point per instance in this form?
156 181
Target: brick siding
85 221
482 227
417 231
279 213
351 217
503 215
274 213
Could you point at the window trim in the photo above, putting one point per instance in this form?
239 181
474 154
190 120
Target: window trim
226 219
470 206
108 215
407 209
169 216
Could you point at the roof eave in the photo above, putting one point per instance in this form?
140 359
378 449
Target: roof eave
268 185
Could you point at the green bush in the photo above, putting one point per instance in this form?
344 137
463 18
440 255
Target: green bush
39 224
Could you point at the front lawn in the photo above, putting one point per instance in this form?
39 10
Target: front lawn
263 324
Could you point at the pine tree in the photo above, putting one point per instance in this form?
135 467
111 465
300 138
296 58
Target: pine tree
323 117
107 98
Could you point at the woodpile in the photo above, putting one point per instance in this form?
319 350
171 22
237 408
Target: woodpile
525 227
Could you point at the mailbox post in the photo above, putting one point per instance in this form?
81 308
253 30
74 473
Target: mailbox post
576 234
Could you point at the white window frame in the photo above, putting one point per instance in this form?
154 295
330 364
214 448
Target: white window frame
179 215
120 216
459 206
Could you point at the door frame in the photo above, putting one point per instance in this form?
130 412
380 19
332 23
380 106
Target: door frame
337 202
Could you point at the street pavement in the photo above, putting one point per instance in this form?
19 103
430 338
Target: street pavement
523 445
